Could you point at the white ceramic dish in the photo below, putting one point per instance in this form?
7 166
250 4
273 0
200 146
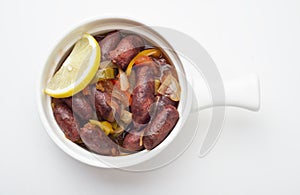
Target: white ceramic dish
234 97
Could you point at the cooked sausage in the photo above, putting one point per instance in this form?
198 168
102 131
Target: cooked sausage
108 44
128 47
164 100
66 121
143 93
160 126
160 102
132 141
80 105
96 140
101 103
103 109
167 69
90 95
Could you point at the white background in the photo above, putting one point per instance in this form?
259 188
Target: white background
258 153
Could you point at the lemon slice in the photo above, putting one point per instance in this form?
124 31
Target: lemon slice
78 69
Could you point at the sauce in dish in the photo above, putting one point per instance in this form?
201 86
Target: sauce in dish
126 104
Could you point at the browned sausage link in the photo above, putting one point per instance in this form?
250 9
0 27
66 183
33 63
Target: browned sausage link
160 103
102 100
91 96
126 50
132 141
66 121
160 127
143 93
80 105
96 140
164 100
109 43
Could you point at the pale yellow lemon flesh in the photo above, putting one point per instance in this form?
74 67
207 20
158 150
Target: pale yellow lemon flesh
78 69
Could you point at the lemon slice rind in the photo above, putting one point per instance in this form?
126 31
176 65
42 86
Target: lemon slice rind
70 78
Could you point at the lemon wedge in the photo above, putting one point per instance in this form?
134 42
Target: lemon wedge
78 69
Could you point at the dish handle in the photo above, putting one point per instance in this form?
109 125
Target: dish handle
243 92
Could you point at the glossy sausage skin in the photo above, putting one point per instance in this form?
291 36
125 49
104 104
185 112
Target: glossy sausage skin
103 109
96 140
126 50
143 93
160 126
90 95
108 44
80 105
164 100
66 121
132 141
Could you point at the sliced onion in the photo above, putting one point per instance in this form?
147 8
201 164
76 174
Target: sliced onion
105 74
132 80
126 116
121 96
107 64
170 87
156 85
124 83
